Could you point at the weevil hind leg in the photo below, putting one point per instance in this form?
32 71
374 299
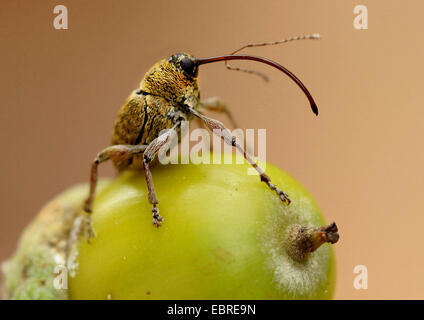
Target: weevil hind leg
116 153
87 228
218 128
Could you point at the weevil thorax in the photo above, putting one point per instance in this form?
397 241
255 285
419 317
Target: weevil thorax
175 79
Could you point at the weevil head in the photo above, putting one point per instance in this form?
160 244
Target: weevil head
175 79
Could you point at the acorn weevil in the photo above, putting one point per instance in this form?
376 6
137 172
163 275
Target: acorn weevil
168 96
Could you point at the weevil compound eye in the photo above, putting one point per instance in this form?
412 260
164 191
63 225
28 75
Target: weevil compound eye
189 66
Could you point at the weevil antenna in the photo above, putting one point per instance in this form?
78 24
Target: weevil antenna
313 36
268 62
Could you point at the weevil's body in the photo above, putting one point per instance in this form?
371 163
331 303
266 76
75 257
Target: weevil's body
160 103
169 96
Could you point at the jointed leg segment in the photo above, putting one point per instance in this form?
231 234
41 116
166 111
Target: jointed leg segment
218 128
122 152
148 156
116 152
157 218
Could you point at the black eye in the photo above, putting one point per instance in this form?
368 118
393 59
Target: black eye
188 66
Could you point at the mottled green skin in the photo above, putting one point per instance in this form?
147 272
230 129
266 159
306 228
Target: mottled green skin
224 238
29 274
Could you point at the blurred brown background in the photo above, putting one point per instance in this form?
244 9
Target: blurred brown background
362 157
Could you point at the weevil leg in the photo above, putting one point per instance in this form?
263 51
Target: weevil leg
115 152
157 218
203 126
148 155
215 104
218 128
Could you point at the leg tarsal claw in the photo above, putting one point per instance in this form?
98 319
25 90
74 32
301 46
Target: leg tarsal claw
284 197
87 206
88 229
157 218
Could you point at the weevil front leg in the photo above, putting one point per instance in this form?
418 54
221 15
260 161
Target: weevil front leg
215 104
218 128
149 154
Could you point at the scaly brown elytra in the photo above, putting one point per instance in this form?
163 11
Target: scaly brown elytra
168 96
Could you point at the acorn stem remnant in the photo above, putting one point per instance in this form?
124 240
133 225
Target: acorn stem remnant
301 241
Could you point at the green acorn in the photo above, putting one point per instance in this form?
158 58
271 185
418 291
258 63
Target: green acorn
225 236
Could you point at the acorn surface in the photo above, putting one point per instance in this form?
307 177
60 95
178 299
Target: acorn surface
224 236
